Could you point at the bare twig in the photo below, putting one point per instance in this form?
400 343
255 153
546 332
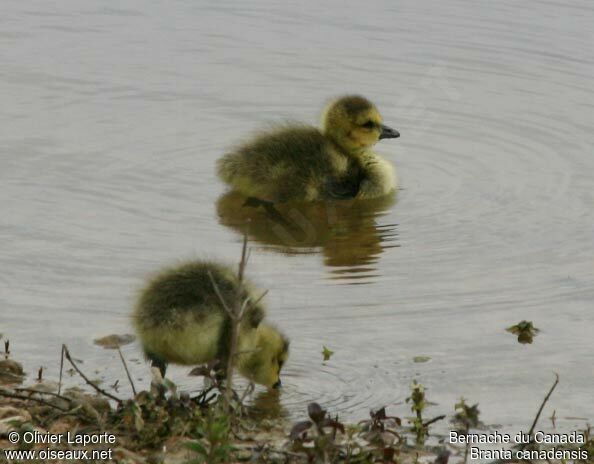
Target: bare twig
61 369
236 312
233 316
264 293
248 303
220 295
542 405
244 258
127 371
33 391
248 390
202 397
235 321
244 306
435 419
86 379
8 394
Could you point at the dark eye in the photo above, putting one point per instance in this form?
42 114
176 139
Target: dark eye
280 364
368 125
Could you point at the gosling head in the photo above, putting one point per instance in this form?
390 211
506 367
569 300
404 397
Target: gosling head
355 124
264 364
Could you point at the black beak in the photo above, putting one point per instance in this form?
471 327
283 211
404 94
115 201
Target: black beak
389 133
277 384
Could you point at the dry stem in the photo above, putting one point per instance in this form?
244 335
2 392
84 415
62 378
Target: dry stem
127 371
61 369
86 379
8 394
236 312
542 405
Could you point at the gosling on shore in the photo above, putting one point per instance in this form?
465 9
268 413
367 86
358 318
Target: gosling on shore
302 163
180 319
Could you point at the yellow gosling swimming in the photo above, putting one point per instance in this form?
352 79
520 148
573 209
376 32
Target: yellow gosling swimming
302 163
179 319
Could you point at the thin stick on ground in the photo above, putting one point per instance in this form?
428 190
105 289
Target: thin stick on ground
542 405
86 379
127 371
8 394
38 392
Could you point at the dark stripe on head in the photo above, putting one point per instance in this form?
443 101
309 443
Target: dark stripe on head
354 104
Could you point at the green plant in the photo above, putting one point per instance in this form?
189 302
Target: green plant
214 447
320 431
466 417
378 432
417 406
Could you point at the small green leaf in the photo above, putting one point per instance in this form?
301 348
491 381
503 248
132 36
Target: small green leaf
525 331
327 353
421 359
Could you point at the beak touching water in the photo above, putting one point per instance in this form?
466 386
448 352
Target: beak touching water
389 133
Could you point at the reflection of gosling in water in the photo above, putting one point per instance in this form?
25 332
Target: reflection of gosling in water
299 162
180 319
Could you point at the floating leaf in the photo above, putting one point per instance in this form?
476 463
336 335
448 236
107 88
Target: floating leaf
525 331
421 359
114 341
327 353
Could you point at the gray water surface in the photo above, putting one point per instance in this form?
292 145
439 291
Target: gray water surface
111 121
